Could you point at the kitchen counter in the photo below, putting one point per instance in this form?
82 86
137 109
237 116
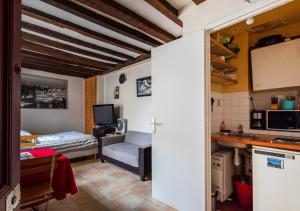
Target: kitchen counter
259 140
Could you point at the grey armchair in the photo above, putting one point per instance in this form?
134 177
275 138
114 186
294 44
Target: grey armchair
131 151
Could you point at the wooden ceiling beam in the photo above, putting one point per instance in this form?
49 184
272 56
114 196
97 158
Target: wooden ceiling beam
60 36
164 7
31 46
198 1
127 63
57 66
118 11
36 14
50 69
89 15
55 59
40 60
55 44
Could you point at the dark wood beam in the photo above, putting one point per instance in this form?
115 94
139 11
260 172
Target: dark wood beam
31 46
57 66
128 63
36 14
118 11
55 44
60 36
40 60
198 1
164 7
53 70
54 59
103 21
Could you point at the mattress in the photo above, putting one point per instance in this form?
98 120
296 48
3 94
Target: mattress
67 142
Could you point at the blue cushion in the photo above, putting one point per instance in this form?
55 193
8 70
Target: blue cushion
124 152
138 138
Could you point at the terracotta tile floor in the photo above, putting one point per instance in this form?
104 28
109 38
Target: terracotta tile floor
232 206
106 187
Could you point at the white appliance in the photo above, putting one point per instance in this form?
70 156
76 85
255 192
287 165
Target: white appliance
276 179
222 171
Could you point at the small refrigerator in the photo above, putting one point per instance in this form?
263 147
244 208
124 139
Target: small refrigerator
276 179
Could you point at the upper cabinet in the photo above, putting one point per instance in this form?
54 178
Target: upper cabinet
276 66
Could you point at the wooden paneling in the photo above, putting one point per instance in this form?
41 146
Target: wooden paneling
63 37
36 14
198 1
166 9
118 11
90 99
62 46
31 46
10 77
103 21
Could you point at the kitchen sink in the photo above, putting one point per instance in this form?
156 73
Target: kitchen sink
238 135
235 135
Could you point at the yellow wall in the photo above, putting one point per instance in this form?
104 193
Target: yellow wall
245 40
241 62
287 31
216 88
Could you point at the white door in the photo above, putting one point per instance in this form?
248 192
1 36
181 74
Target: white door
178 151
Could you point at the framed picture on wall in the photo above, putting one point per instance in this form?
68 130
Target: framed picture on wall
43 92
144 87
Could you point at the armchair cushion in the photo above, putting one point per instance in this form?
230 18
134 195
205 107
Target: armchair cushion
138 138
125 152
108 140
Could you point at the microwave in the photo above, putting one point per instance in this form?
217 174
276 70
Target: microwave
286 120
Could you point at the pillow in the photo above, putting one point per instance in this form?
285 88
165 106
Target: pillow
24 133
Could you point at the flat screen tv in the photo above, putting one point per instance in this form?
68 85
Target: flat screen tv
104 115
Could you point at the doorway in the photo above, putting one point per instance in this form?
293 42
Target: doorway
211 106
10 16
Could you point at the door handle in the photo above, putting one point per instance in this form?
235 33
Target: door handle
154 125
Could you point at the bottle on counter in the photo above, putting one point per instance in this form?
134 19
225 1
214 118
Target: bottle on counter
222 126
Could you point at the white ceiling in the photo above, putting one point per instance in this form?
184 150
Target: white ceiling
179 4
147 11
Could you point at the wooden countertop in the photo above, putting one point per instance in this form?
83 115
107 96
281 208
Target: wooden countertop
259 140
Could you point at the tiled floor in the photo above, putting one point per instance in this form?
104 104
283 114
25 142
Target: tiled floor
105 187
232 206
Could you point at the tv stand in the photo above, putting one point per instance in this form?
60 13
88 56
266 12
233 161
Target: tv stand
101 131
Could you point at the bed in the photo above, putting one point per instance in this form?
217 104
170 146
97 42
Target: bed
71 144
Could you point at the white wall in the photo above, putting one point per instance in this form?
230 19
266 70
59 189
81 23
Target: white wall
136 109
47 121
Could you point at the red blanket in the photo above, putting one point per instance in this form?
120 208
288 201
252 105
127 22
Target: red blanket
63 178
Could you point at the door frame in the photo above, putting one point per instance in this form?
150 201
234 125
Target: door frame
251 11
10 68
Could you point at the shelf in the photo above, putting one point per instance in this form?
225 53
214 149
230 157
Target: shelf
219 49
219 78
220 64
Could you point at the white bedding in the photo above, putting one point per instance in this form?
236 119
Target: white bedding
67 142
25 133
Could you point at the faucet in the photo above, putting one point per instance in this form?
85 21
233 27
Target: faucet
240 129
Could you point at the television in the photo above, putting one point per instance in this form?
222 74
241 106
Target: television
104 115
